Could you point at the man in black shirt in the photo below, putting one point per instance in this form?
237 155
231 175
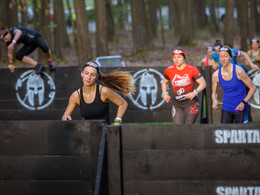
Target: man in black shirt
31 40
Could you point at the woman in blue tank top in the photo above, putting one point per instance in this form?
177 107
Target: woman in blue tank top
93 98
233 80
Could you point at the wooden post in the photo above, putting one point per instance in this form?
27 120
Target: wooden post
115 181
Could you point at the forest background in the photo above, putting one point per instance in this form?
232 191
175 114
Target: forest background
143 32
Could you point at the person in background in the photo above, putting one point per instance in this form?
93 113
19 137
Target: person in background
93 98
182 77
208 60
235 53
30 39
254 53
233 80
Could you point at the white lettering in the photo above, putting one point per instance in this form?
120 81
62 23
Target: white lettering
220 190
219 136
249 136
238 190
226 135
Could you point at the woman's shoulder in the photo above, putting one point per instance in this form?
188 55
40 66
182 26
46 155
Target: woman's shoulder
76 93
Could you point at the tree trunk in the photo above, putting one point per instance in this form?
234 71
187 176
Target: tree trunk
83 37
12 10
110 21
72 23
185 27
45 22
243 17
140 29
3 22
120 16
213 20
200 14
229 23
171 13
258 21
36 15
59 36
253 18
101 28
23 4
174 15
153 6
161 23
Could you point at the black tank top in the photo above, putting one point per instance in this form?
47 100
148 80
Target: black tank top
95 110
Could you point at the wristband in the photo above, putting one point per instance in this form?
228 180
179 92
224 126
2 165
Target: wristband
14 41
244 102
196 91
118 119
10 65
215 101
163 93
116 122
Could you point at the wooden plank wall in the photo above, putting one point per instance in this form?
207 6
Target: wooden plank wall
48 157
68 79
190 159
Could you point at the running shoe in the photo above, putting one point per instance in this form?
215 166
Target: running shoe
38 68
52 67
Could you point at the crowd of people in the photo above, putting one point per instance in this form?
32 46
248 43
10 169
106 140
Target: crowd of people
98 88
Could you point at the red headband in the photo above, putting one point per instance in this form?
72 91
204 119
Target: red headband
178 51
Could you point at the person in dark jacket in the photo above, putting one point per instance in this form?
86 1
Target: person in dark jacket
31 40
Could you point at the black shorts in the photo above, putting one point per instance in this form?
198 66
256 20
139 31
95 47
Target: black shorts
185 112
28 49
230 117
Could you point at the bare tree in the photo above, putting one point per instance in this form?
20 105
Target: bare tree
83 37
243 21
60 32
161 23
70 20
36 14
23 4
3 22
153 6
253 18
200 13
213 21
120 14
110 21
101 28
173 15
258 21
12 10
229 23
140 29
45 22
186 17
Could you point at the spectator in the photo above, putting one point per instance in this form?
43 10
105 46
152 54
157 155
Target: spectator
208 60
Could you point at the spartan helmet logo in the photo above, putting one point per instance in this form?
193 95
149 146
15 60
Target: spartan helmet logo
255 77
35 92
148 96
35 89
148 88
256 81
